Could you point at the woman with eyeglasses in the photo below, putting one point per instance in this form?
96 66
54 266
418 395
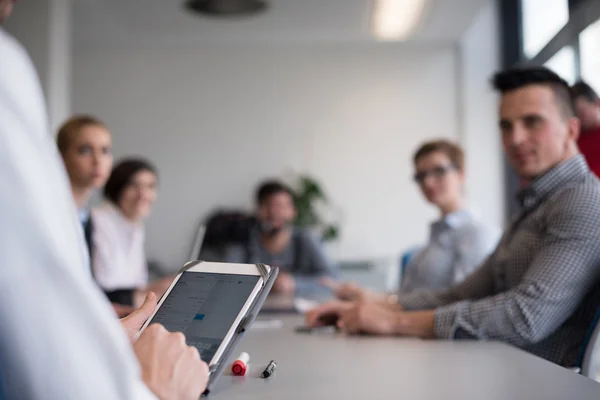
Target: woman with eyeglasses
457 244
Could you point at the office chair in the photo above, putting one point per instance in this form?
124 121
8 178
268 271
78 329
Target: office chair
406 257
198 240
219 229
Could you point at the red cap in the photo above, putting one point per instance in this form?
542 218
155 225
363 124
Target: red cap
238 367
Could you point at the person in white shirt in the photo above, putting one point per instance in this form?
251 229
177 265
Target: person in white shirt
119 263
60 338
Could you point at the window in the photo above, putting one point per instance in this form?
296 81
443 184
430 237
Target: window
574 54
589 48
542 19
563 63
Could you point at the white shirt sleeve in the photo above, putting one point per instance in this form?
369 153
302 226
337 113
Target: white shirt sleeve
59 338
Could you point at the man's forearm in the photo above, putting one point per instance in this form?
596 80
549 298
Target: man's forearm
415 323
389 301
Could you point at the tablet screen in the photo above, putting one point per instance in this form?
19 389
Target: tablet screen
203 306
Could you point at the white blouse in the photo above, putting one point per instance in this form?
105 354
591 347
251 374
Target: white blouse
119 260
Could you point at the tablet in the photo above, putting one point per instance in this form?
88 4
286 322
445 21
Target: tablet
207 302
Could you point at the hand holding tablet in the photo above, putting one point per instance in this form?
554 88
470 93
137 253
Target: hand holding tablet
212 304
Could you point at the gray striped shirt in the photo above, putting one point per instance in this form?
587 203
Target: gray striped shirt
539 289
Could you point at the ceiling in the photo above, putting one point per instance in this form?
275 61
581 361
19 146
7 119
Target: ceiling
105 22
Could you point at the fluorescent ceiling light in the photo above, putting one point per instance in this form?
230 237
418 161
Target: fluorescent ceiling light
396 19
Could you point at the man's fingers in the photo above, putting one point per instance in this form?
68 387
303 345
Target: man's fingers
330 283
348 320
121 310
312 316
148 306
139 316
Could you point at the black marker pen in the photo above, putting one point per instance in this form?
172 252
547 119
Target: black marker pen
269 370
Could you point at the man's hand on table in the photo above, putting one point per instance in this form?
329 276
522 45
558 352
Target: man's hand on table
345 290
372 317
349 291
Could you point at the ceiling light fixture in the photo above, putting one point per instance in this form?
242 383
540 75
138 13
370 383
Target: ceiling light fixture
396 19
226 8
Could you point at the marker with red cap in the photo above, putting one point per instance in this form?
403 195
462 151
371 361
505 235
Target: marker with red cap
240 365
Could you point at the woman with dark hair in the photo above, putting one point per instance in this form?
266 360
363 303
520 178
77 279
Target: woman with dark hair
119 262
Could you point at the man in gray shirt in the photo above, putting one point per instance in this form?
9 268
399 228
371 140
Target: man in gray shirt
274 240
539 289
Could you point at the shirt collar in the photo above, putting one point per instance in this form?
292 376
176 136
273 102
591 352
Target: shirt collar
457 218
568 170
84 215
453 220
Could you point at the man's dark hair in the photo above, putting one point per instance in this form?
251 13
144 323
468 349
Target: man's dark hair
270 188
582 89
516 78
121 176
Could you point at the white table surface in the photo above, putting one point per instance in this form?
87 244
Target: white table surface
334 366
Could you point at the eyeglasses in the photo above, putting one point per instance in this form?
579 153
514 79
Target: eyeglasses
436 172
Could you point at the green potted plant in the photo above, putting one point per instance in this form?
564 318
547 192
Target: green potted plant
309 198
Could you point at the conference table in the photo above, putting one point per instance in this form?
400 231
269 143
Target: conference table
331 365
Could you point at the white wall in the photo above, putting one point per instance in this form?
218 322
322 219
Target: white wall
479 59
216 120
44 28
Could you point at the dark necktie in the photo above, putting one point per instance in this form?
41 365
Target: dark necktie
88 229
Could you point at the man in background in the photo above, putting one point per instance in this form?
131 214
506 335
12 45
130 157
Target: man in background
6 7
274 240
587 107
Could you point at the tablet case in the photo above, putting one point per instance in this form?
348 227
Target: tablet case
268 281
